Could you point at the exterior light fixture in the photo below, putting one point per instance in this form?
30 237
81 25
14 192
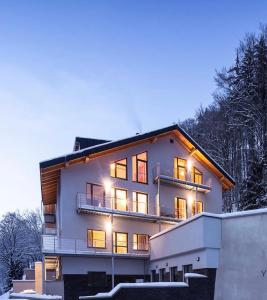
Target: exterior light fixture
190 200
189 164
107 185
109 226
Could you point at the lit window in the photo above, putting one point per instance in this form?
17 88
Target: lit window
96 238
119 198
180 208
118 169
199 207
140 242
196 176
140 202
139 167
120 242
180 168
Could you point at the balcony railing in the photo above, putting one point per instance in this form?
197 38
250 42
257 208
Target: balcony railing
169 176
126 207
115 205
55 245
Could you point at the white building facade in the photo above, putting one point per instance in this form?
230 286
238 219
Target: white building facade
104 201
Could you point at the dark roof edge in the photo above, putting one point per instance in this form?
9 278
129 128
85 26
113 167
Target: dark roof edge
118 143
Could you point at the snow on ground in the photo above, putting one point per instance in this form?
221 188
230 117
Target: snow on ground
34 296
4 296
136 285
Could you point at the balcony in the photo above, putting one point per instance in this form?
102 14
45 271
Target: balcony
55 245
121 207
166 176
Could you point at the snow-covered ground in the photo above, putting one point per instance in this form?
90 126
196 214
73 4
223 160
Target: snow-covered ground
4 296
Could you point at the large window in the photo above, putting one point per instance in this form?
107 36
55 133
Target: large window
140 202
95 194
196 176
180 168
140 241
96 238
118 169
119 198
199 207
120 242
139 167
180 208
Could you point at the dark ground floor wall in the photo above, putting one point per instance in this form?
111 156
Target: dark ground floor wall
99 282
93 283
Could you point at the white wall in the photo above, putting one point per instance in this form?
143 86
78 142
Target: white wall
83 265
243 259
182 245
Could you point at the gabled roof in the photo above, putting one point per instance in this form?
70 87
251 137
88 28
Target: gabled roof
51 167
82 143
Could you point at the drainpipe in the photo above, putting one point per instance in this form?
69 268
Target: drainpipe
112 253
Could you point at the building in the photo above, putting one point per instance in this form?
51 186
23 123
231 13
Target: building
103 202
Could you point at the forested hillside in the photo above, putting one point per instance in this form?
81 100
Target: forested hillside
20 245
233 129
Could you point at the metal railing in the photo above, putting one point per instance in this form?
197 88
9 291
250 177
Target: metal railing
172 173
53 244
112 203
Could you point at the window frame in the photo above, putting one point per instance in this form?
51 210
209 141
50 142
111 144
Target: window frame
194 205
178 167
177 207
115 242
115 198
193 175
136 166
119 164
91 192
88 246
135 209
147 237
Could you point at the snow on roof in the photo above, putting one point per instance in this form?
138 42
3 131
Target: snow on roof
33 296
194 275
135 285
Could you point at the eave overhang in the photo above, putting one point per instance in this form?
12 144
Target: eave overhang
50 169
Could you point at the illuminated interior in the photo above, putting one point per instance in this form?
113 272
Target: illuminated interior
180 168
118 169
140 241
119 197
52 268
199 207
120 242
140 202
180 208
139 167
196 176
96 238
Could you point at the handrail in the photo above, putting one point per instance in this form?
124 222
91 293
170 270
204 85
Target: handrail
54 244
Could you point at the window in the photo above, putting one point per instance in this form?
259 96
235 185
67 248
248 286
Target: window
96 238
161 274
199 208
180 168
140 202
196 176
95 194
120 242
119 197
140 242
118 169
180 208
139 167
174 274
187 269
154 276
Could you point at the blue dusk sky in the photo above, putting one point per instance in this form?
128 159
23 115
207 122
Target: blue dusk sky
104 69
